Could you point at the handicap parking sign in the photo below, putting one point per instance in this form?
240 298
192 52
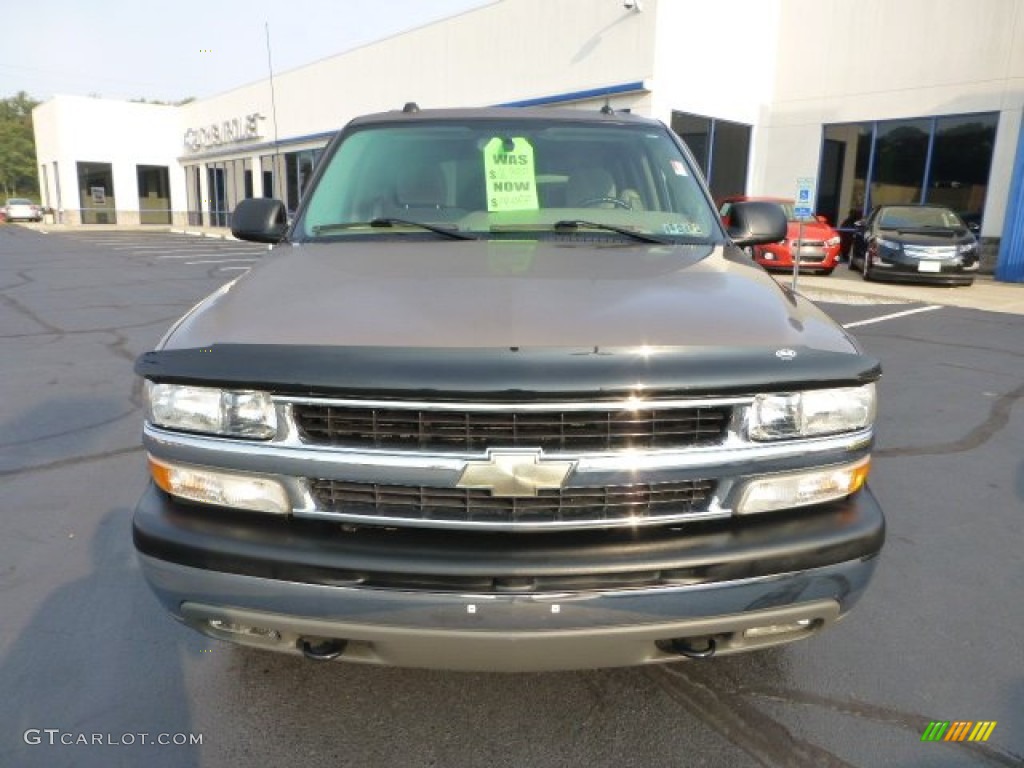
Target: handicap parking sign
804 196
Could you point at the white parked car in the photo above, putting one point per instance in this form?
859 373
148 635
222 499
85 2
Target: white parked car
20 209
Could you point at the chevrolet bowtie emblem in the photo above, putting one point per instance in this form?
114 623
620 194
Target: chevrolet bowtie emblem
514 473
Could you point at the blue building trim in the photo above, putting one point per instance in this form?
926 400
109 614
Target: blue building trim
1010 264
592 93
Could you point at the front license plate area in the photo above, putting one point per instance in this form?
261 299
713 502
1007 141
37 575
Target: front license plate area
929 266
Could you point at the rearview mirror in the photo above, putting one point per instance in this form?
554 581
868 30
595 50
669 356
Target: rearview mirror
260 220
756 223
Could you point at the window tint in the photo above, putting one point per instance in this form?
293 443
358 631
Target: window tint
940 160
721 149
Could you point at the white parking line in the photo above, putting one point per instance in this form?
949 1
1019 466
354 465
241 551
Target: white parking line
195 255
893 316
229 269
177 245
218 261
153 248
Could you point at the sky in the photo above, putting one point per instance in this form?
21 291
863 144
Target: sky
169 51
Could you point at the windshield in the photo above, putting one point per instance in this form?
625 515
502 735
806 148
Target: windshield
525 177
915 217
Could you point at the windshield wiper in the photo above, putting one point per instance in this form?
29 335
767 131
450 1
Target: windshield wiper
578 223
451 232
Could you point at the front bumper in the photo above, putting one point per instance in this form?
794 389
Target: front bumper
910 276
812 258
899 267
506 601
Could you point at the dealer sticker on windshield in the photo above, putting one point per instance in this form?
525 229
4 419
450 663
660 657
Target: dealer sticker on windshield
511 175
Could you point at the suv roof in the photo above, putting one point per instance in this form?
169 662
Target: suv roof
504 113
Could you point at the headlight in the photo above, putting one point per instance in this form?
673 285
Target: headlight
811 413
224 489
235 413
832 241
889 245
801 489
964 248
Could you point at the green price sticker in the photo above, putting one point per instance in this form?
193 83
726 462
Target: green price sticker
511 175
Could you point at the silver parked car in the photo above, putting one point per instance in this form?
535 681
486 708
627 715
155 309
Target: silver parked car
20 209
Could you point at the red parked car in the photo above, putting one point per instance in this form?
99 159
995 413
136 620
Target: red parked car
819 251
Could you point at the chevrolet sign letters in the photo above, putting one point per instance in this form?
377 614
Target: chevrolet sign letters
227 132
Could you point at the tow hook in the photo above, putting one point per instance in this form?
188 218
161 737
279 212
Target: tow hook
321 649
684 646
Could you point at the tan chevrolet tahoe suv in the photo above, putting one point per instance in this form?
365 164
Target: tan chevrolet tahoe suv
505 395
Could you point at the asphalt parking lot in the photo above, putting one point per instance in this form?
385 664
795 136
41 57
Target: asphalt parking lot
86 651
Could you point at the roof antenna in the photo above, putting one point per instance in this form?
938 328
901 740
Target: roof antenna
273 111
411 107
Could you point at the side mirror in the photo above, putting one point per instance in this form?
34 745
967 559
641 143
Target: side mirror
974 227
757 223
260 219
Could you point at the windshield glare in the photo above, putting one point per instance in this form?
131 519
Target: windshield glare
919 216
489 177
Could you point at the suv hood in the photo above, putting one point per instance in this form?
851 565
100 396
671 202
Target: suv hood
501 294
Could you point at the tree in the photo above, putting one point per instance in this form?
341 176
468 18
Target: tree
17 147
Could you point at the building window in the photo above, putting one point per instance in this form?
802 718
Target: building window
721 149
217 195
944 160
154 194
900 157
291 171
247 171
299 167
193 196
96 193
961 162
268 164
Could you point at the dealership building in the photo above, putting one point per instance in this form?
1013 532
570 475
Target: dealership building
877 101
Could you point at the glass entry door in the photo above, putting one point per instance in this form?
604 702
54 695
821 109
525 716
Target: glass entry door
154 194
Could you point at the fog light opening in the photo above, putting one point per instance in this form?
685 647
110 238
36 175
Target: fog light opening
246 630
801 626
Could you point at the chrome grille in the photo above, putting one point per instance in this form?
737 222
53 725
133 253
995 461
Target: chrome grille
930 251
478 429
634 504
